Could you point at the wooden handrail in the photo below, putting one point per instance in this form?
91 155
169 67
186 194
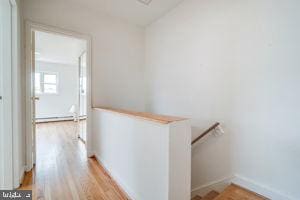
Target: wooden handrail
163 119
206 132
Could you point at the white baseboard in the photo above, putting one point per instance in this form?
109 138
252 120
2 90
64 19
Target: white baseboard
260 189
116 178
217 185
220 185
22 175
54 119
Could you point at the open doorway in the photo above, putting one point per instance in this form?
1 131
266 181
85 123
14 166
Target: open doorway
82 97
58 94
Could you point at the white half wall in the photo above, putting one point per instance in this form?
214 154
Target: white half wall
58 105
149 160
235 62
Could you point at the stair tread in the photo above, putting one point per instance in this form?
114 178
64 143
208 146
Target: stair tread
235 192
197 198
211 195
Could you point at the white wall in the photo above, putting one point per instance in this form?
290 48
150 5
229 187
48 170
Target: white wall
58 105
235 62
117 49
150 160
13 157
211 60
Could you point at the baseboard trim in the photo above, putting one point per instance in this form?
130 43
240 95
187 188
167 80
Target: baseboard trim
260 189
220 185
217 185
115 178
54 119
58 119
22 175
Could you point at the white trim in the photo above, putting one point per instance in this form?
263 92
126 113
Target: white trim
217 185
58 63
54 61
21 175
42 83
261 189
31 26
220 185
128 192
54 119
6 126
16 94
28 138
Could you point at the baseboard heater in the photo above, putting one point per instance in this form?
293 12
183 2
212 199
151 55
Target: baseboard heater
57 119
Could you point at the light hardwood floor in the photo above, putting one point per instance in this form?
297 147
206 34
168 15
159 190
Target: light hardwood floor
235 192
63 172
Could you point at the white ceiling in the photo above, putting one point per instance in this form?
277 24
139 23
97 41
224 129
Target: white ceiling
61 49
56 48
131 10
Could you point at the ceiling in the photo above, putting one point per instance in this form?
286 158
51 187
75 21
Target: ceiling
131 10
66 50
56 48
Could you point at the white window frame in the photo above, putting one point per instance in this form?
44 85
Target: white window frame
42 83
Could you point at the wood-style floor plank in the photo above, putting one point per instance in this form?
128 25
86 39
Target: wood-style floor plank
235 192
63 171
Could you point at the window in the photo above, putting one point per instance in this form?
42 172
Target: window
46 83
37 83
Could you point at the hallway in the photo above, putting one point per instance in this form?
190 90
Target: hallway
63 171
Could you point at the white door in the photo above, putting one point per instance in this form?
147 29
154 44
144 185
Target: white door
33 97
30 100
82 96
6 166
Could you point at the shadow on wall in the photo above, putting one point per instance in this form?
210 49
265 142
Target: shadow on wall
211 158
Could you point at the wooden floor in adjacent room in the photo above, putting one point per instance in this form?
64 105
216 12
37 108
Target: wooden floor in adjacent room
63 172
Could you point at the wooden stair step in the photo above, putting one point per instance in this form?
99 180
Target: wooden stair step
211 195
235 192
197 198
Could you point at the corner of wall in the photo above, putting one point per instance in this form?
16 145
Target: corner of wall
22 174
221 184
260 188
128 192
217 185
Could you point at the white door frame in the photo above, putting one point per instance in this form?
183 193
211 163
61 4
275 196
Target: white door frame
12 140
79 107
18 169
6 131
30 145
